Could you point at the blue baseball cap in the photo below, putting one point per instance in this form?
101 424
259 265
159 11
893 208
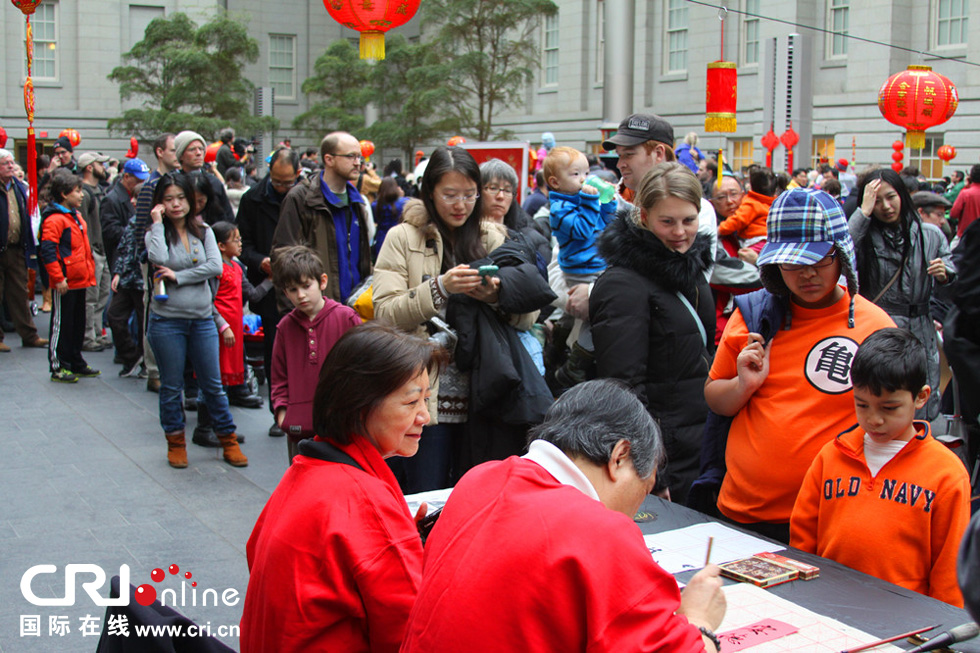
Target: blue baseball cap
137 168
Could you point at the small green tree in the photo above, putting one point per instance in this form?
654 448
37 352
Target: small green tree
190 78
410 88
493 54
341 82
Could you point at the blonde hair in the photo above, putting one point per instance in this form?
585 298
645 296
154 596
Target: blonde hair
558 158
667 179
691 139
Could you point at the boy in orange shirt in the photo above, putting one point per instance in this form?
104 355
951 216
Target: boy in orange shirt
748 222
885 497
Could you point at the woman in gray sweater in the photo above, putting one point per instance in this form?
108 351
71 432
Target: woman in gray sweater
185 256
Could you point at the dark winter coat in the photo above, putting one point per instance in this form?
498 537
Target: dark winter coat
507 393
26 239
645 335
115 212
258 215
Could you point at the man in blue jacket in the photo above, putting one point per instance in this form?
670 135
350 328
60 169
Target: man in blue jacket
17 251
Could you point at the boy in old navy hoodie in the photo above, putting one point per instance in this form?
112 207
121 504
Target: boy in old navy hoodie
67 257
304 338
885 497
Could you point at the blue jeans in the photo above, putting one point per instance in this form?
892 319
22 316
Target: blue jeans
174 340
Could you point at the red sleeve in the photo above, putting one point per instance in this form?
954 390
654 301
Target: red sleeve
804 522
957 209
733 340
389 574
279 383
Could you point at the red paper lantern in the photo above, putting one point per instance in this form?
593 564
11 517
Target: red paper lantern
3 137
947 153
770 141
455 141
897 157
790 138
73 136
897 167
721 97
898 146
367 149
372 18
26 6
917 99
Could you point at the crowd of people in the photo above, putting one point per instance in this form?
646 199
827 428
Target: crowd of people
664 325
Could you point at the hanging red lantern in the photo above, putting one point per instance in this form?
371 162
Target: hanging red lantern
134 148
897 157
367 149
72 135
917 99
769 141
28 7
3 137
721 97
789 138
898 167
898 146
947 153
455 141
372 18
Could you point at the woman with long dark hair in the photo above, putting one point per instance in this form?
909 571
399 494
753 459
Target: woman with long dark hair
425 260
387 210
899 258
181 325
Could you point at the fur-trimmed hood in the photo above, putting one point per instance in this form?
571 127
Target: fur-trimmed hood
625 244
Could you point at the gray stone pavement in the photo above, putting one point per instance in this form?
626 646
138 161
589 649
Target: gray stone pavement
84 479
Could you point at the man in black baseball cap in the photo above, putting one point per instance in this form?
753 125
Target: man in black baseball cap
642 141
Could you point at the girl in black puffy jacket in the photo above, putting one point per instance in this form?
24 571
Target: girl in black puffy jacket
652 313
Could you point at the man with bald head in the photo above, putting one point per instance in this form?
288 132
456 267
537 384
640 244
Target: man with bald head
327 214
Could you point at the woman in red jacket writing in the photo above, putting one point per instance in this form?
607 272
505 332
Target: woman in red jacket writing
335 558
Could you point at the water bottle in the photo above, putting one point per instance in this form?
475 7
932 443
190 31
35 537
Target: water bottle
607 192
160 291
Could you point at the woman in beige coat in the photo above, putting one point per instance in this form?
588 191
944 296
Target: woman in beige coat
423 261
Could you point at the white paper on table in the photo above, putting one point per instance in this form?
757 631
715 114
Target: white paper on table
435 498
684 549
748 604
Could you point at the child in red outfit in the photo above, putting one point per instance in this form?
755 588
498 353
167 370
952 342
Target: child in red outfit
304 337
885 497
234 290
748 222
67 257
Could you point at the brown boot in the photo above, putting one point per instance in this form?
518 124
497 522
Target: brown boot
176 452
233 455
46 305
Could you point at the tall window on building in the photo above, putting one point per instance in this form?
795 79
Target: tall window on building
550 50
740 153
837 23
282 66
823 149
925 159
951 22
44 25
600 40
750 34
676 36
